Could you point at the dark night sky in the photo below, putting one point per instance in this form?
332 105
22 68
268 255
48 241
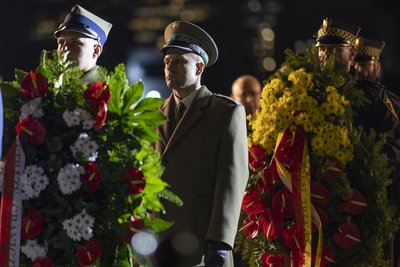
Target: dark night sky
228 23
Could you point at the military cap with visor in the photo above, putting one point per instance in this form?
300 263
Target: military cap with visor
190 37
82 21
368 50
333 32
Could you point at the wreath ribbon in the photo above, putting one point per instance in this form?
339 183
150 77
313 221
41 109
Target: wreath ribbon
11 206
297 180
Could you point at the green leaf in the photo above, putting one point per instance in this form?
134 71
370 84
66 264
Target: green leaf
124 218
158 225
140 156
114 105
147 118
154 184
19 75
151 202
150 134
148 104
56 144
168 195
9 90
132 95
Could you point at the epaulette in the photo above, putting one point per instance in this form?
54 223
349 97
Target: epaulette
228 98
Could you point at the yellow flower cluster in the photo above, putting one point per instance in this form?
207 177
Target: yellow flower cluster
281 106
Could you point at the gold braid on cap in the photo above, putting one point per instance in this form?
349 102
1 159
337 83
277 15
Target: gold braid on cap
368 50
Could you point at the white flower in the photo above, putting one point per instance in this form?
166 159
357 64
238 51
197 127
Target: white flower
38 113
33 181
86 146
31 108
74 234
1 175
87 124
78 221
69 178
68 225
74 118
87 233
79 226
33 250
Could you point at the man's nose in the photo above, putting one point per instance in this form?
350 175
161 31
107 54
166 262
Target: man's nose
168 66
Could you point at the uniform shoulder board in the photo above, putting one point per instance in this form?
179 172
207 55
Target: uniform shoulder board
228 98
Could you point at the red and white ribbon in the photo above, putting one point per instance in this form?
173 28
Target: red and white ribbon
11 206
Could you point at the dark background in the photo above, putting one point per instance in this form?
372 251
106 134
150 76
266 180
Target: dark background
27 27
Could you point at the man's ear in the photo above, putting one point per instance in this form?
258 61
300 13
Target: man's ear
97 50
353 53
377 67
199 68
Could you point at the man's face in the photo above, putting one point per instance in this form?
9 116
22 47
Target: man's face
180 69
367 70
344 55
82 49
248 93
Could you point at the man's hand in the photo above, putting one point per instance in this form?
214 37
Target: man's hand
215 254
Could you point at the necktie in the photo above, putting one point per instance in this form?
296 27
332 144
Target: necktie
179 114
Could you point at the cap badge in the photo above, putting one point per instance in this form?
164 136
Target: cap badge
360 42
327 23
175 26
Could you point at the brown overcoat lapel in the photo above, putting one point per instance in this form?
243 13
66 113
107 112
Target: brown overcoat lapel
192 114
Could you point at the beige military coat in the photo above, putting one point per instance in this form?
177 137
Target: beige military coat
206 165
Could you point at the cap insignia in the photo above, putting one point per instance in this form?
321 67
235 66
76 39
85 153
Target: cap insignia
327 23
175 27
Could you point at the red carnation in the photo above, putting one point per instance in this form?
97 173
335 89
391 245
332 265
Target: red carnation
329 168
251 227
91 178
319 194
136 181
33 130
90 253
97 93
271 224
42 262
33 83
283 202
257 159
349 235
326 257
32 224
134 226
252 203
354 204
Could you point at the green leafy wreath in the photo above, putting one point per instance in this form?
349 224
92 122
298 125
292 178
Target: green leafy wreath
90 173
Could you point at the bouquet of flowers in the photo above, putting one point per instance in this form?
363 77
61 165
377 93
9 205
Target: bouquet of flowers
79 173
316 194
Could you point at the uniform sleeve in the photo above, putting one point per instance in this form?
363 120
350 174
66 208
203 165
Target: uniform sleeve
232 176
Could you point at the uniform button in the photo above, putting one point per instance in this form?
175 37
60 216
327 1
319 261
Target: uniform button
164 162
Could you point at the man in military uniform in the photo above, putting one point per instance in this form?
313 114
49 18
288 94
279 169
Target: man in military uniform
204 150
368 66
83 34
367 59
380 114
